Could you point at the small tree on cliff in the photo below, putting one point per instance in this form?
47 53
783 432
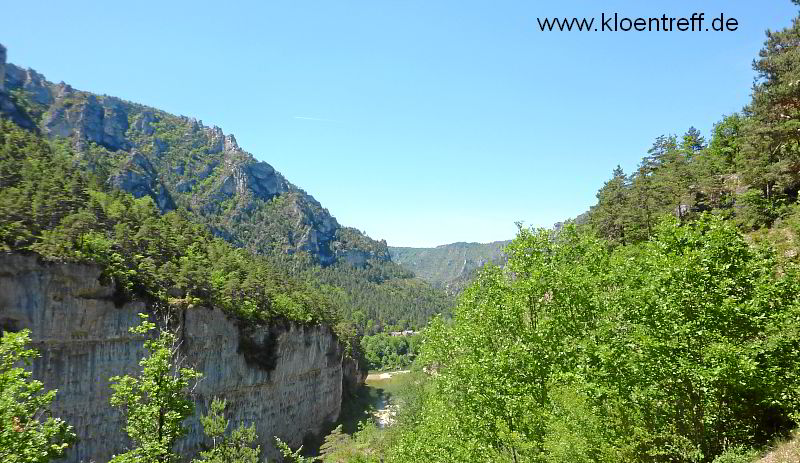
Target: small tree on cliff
292 457
27 433
155 403
233 448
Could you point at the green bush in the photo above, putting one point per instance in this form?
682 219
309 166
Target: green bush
738 455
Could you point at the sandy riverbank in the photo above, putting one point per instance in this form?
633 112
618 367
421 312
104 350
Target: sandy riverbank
385 375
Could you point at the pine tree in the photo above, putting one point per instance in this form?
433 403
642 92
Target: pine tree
771 159
233 448
608 216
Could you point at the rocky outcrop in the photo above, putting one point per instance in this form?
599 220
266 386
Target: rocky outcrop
144 123
138 177
8 109
88 118
354 374
316 226
31 82
241 175
353 257
284 378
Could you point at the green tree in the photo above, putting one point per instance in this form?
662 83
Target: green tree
28 434
670 350
608 217
771 153
233 448
155 403
290 456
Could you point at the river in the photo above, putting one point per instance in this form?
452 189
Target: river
379 399
386 386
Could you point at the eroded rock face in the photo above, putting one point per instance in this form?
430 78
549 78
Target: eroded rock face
285 378
138 177
30 81
354 374
102 121
353 257
258 179
7 107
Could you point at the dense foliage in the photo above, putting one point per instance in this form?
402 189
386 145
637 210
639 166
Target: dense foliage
672 350
386 352
28 433
380 296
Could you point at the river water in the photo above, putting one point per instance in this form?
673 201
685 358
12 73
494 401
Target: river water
383 388
379 399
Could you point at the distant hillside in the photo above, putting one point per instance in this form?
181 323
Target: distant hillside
445 265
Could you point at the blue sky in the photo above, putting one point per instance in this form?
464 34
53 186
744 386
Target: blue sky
421 122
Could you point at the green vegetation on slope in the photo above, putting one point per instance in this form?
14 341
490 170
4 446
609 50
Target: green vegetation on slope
386 352
672 350
448 265
49 206
380 296
179 163
202 174
749 172
28 432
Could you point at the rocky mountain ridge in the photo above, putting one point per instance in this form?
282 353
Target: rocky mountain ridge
182 163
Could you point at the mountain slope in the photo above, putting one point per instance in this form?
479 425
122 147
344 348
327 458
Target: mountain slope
446 264
180 162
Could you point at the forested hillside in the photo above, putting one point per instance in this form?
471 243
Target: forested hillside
748 171
676 349
449 265
64 213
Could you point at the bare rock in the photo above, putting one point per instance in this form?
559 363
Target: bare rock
138 177
30 81
144 123
83 116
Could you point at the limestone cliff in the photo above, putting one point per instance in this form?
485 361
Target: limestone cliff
285 378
